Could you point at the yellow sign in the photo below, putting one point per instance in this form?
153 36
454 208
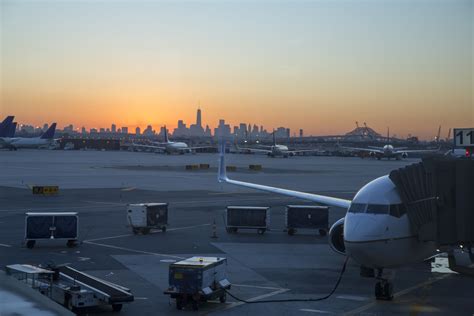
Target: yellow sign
46 190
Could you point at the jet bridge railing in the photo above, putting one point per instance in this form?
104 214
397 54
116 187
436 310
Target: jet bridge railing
439 196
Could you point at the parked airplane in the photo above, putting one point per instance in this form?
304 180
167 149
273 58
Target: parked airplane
170 147
388 151
375 231
276 150
45 140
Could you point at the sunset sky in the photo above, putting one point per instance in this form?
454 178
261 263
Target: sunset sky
316 65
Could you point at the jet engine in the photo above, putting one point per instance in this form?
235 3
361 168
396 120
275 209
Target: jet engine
372 154
404 155
336 237
291 154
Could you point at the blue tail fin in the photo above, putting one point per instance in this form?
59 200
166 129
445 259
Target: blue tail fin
12 130
49 134
5 126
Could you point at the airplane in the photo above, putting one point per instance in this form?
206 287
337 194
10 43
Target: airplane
276 150
388 151
170 147
375 231
45 140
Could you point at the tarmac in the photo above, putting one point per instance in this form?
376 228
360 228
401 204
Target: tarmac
98 185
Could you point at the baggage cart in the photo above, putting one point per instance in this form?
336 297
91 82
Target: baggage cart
198 279
247 217
307 217
143 217
74 289
51 225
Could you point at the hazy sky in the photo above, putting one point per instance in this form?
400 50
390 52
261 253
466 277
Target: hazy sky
318 65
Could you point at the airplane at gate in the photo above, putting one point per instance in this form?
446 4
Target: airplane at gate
45 140
375 231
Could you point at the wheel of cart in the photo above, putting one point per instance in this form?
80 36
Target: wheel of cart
117 307
135 230
163 229
232 230
223 298
30 244
145 230
261 231
323 232
291 231
71 243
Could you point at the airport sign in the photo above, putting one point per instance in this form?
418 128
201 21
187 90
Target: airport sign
464 137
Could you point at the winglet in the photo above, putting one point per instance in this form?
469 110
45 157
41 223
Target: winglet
222 174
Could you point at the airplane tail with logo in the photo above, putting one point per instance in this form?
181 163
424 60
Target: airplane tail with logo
49 134
5 126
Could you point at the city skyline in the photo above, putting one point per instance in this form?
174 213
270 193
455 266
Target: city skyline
319 66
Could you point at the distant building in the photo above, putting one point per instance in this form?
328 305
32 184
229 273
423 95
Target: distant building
148 131
137 131
222 130
124 130
102 130
301 132
113 128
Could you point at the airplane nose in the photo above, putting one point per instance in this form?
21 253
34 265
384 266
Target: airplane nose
362 227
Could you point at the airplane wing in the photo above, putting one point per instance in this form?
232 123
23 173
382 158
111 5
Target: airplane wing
398 151
373 150
266 151
326 200
148 146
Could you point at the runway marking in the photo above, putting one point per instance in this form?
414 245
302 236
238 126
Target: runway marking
5 245
315 311
353 298
398 294
133 250
152 232
256 298
258 287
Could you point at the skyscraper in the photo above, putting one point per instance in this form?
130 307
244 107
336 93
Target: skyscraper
198 118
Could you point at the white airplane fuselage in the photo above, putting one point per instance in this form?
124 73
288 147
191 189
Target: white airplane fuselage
21 142
279 150
376 234
177 147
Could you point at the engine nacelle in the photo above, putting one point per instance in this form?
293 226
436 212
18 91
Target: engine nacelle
336 237
371 154
291 154
404 155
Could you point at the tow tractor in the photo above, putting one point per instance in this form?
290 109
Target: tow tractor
74 289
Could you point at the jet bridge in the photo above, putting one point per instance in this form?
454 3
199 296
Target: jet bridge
438 194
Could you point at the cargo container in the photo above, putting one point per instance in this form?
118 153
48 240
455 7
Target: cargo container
143 217
307 217
247 217
51 225
198 279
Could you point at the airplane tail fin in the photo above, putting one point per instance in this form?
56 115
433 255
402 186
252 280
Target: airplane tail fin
49 134
165 131
12 130
222 174
5 126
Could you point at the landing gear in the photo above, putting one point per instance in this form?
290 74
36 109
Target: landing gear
383 288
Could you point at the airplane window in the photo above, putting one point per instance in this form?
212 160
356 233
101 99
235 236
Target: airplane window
357 208
397 210
378 208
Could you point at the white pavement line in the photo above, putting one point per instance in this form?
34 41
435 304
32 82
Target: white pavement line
152 232
353 298
133 250
258 287
32 209
5 245
256 298
398 294
103 203
315 311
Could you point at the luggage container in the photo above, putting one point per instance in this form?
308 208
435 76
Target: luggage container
49 225
145 216
198 279
307 217
247 217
